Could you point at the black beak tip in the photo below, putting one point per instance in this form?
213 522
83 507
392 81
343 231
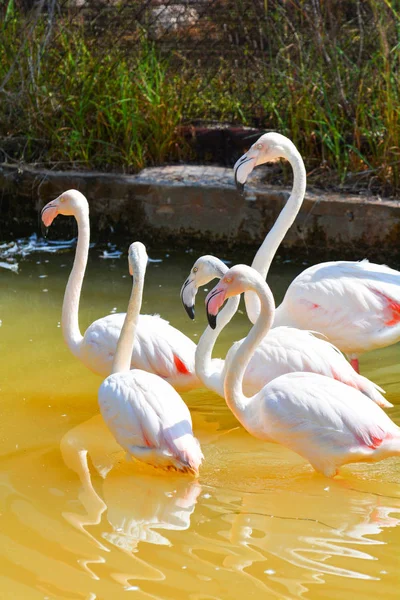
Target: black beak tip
189 311
240 188
43 229
212 320
239 185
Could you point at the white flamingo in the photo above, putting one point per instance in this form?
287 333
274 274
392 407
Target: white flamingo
356 305
328 423
283 350
159 348
145 414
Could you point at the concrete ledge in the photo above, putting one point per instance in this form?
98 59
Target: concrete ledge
199 206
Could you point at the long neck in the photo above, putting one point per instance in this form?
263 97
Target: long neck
233 386
209 371
123 354
70 308
263 259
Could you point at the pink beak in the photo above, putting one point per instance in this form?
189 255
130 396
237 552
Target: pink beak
49 213
214 301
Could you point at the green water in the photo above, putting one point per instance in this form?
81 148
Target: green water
258 523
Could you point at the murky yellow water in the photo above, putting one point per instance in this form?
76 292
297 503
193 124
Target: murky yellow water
259 523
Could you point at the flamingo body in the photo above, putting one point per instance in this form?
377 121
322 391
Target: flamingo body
158 348
145 414
288 350
149 420
355 304
283 350
325 421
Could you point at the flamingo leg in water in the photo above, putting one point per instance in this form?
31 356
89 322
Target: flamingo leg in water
355 364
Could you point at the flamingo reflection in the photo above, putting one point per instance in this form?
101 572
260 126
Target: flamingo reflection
334 546
137 503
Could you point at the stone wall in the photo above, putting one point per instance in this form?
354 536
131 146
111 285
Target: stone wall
190 206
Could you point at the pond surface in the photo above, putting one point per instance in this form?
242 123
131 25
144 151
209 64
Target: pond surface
258 523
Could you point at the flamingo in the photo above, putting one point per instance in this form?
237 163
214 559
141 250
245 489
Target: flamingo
145 414
356 305
159 348
326 422
284 350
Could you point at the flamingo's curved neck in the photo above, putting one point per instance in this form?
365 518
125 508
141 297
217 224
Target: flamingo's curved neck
241 405
263 259
123 353
208 371
70 309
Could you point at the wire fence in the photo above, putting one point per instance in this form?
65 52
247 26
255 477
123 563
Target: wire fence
249 35
325 72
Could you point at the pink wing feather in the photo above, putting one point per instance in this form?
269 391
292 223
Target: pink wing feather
355 304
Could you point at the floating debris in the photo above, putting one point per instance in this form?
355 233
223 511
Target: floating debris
112 251
9 266
25 246
113 254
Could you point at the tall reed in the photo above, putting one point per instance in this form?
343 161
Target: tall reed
327 74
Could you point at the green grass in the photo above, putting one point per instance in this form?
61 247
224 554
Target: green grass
328 77
95 111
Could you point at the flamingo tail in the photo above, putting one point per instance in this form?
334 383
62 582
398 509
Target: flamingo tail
373 391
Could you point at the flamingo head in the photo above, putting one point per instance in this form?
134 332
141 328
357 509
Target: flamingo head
235 281
137 257
268 148
204 270
69 203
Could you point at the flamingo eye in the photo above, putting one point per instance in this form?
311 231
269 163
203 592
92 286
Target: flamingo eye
62 199
228 279
195 269
259 146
